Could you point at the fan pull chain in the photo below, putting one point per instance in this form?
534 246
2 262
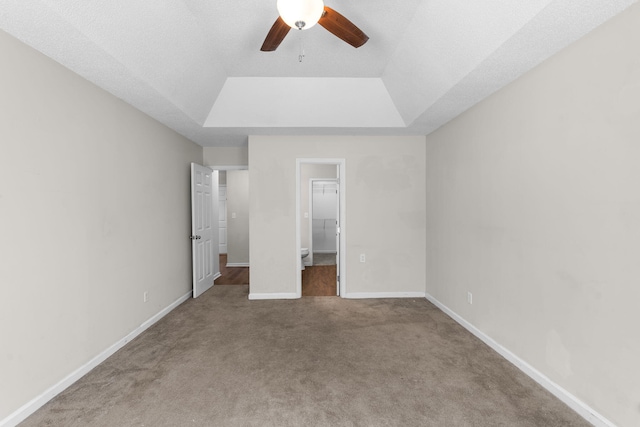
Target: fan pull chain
301 55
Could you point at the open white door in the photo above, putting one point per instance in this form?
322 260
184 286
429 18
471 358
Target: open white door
202 230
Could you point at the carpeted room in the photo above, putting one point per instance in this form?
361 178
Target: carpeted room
531 197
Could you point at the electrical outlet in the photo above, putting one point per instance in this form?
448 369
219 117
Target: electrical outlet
362 258
145 296
469 297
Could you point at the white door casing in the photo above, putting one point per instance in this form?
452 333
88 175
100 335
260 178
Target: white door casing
202 230
338 231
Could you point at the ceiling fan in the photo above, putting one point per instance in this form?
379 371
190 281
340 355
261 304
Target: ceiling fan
304 14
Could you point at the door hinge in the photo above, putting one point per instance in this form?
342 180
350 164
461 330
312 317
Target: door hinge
338 279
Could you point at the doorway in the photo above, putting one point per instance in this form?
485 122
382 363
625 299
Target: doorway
232 225
319 269
321 232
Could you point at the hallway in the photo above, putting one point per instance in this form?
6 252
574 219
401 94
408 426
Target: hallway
231 275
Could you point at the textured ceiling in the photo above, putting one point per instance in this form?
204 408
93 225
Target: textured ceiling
196 66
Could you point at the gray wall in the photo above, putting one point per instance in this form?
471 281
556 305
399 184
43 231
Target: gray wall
238 227
226 156
385 211
533 205
95 210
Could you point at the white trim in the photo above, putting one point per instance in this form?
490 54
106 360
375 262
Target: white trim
237 264
263 296
215 276
366 295
584 410
329 251
36 403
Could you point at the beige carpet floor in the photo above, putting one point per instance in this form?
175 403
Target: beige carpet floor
221 360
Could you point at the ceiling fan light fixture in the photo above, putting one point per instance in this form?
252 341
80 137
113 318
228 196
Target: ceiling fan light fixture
300 14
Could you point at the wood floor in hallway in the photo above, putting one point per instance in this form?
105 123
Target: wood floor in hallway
231 275
317 280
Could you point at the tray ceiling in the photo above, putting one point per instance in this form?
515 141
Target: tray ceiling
196 66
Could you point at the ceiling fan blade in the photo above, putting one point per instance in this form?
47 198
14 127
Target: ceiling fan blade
342 28
276 34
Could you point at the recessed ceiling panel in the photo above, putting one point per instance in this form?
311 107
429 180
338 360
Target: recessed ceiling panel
304 102
196 66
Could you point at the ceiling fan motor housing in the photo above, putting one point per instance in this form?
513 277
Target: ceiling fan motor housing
300 14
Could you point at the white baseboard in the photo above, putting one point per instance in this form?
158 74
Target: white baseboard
215 276
364 295
255 296
30 407
324 252
237 264
584 410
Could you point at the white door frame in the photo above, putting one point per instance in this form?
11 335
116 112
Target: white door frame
341 163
